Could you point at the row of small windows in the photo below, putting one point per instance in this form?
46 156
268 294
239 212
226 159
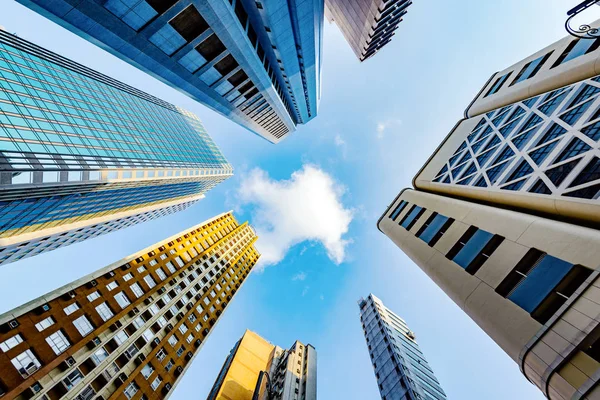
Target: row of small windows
539 283
576 48
386 24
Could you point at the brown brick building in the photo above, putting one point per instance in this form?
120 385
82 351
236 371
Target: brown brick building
131 329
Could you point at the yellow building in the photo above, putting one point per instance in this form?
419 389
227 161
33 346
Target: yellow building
290 374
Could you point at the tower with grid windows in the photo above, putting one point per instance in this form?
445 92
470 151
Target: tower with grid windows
131 329
257 63
400 366
82 154
504 216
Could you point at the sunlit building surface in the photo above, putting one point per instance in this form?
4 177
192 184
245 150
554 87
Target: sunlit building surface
504 216
82 154
400 367
131 329
254 365
367 25
257 63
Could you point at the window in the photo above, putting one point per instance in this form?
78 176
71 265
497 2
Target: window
104 311
398 210
183 328
411 217
137 290
156 383
112 285
540 284
72 379
180 351
530 69
127 277
169 365
58 342
173 340
575 49
474 248
83 325
161 354
11 342
190 338
149 281
99 356
45 323
434 228
161 274
93 296
147 371
71 309
122 299
131 390
26 363
120 337
498 84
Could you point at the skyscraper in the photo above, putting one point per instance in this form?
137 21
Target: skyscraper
257 63
82 154
367 25
504 216
401 369
254 365
132 327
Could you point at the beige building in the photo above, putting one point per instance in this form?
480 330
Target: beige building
504 216
258 370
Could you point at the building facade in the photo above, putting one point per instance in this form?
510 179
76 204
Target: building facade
257 63
131 329
367 25
82 154
254 364
504 216
400 367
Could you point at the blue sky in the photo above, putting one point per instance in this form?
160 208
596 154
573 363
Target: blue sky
377 124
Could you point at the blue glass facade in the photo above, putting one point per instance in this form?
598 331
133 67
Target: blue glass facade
257 63
77 148
400 367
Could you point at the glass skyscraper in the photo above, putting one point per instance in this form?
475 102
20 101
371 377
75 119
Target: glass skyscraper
400 367
82 154
257 63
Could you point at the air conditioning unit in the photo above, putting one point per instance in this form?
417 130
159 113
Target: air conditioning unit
169 328
178 371
189 355
13 324
135 310
155 342
93 283
46 307
70 361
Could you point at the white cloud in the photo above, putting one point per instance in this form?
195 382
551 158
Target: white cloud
306 207
299 276
339 141
306 288
383 126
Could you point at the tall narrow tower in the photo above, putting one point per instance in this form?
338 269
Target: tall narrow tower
258 370
504 216
131 329
257 63
367 25
401 369
82 154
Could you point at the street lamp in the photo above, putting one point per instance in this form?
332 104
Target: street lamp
585 31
